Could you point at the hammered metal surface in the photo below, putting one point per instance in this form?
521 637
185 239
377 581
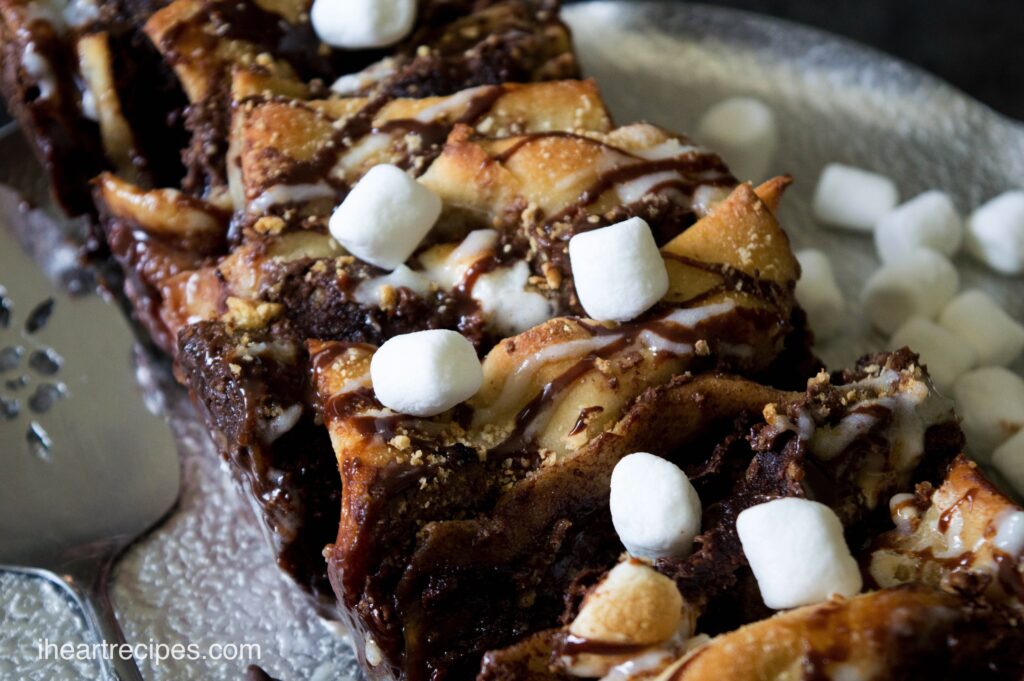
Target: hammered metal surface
207 575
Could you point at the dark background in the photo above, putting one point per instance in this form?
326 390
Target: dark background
977 45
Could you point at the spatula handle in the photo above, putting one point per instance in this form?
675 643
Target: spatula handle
85 577
94 600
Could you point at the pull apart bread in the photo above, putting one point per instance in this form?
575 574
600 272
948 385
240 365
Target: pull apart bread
479 540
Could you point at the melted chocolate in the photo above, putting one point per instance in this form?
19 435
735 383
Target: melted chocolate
570 645
947 515
583 418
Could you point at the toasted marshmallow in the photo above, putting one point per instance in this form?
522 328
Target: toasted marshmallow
945 355
995 233
852 198
979 322
426 372
618 270
385 217
990 402
362 24
928 220
916 285
634 604
1009 460
818 293
655 510
797 552
743 130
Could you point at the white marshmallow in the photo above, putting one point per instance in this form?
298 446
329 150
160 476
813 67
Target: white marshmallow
1009 460
797 552
507 304
426 372
995 233
818 293
743 130
655 510
946 356
978 321
618 270
853 198
385 217
916 285
361 24
990 402
928 220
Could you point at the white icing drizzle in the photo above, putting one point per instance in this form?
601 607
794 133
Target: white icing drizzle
656 343
39 69
89 109
828 442
670 148
954 536
451 106
706 196
282 423
368 293
508 306
360 152
634 190
354 82
690 317
523 376
520 379
296 193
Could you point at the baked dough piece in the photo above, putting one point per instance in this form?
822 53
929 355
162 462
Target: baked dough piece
243 318
901 633
179 270
484 503
964 536
456 45
90 93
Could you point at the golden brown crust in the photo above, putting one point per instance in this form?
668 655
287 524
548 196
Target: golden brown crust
903 633
956 539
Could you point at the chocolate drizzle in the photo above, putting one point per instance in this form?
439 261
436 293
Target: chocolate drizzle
570 645
361 124
947 516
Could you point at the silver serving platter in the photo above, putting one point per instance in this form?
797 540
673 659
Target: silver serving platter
206 576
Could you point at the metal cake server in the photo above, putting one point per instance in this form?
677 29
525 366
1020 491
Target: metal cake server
85 468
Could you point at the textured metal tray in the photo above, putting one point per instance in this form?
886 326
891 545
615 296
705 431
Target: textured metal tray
206 575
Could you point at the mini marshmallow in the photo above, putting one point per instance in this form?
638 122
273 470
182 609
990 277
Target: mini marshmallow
385 217
852 198
995 233
990 402
1009 460
818 293
743 130
618 270
655 510
929 220
945 355
361 24
797 552
426 372
978 321
916 285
